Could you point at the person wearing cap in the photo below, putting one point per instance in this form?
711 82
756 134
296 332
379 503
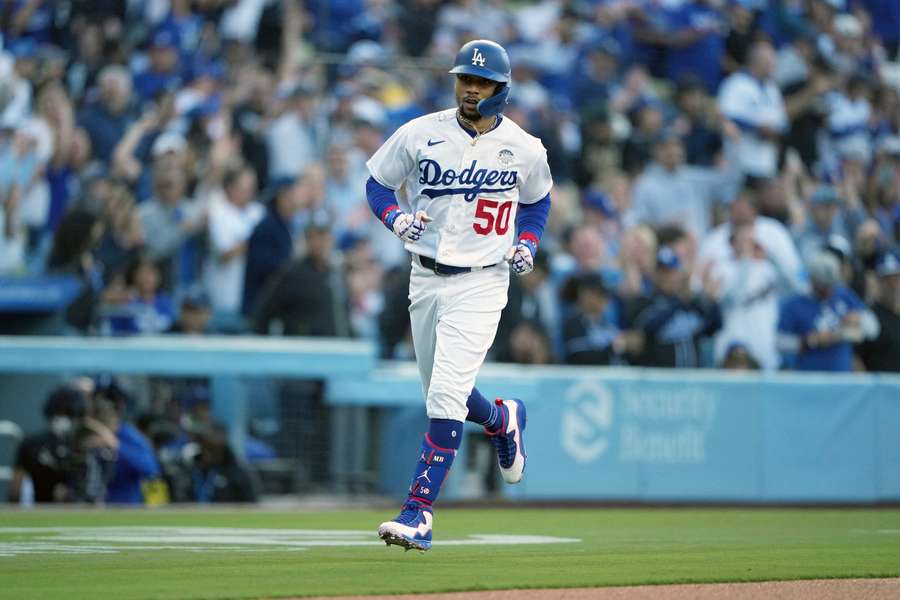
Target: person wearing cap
163 71
271 243
883 352
601 212
673 320
591 334
194 313
816 331
826 218
669 191
754 113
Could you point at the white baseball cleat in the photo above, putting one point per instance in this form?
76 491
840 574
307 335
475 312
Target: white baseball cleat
509 440
410 529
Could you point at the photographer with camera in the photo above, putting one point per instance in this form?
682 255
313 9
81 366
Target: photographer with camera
44 469
135 461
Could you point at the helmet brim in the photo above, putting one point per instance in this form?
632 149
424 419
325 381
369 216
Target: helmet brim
477 71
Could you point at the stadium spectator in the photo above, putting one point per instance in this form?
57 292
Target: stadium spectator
147 309
192 90
529 344
738 358
291 137
72 253
532 299
817 330
233 214
749 300
774 238
162 73
172 219
827 218
107 117
194 313
271 243
590 334
308 296
883 352
669 191
754 113
673 320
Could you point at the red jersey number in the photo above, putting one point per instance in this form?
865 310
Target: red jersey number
491 215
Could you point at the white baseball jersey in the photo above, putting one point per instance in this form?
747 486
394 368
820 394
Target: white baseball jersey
471 191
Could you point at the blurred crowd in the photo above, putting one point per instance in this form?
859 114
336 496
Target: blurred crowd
101 445
727 171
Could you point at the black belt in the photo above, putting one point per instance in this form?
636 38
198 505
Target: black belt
441 269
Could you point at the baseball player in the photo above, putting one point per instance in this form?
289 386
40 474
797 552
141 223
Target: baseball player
468 192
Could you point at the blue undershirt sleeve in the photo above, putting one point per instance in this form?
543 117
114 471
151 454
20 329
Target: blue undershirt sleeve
531 219
382 201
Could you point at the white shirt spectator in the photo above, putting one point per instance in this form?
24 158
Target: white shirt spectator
751 287
229 225
752 104
848 125
749 307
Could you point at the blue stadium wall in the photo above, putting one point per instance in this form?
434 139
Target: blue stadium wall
608 434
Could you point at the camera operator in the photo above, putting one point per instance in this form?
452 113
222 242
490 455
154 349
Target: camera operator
135 461
45 466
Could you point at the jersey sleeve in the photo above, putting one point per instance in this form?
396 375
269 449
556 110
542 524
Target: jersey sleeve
394 161
538 182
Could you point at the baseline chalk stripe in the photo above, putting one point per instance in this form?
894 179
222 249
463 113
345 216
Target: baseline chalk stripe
112 540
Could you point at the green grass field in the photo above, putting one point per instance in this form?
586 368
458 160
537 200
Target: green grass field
171 555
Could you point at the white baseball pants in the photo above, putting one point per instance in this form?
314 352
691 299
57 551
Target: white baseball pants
454 320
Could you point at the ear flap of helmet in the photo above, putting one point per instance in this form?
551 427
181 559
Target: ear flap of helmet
490 107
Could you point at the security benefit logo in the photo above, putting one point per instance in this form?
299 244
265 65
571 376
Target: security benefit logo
639 422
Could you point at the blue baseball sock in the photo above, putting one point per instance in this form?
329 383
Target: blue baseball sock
483 411
435 460
446 433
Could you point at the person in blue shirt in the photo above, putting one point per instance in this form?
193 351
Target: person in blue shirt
108 117
697 45
817 330
163 73
135 461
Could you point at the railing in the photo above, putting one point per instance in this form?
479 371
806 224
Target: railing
593 433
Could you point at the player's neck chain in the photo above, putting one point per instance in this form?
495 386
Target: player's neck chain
472 125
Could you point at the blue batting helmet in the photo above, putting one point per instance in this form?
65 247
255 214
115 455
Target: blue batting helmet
489 60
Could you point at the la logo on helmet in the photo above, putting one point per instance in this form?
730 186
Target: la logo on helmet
478 58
